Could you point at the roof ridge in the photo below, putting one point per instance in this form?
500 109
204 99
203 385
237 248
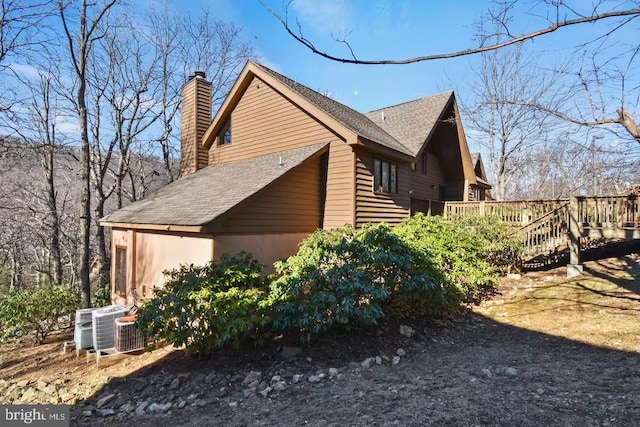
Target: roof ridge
410 101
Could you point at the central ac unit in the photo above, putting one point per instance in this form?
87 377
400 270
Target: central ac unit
104 325
84 315
82 335
128 337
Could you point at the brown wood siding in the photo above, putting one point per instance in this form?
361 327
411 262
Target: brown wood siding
339 203
421 183
291 204
376 208
455 191
195 119
265 122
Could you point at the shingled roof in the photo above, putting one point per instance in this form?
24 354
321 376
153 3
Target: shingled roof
412 122
350 118
202 197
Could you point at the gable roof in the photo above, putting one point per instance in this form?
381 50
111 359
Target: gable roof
343 120
200 198
412 122
355 121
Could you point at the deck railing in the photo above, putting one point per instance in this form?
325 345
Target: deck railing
545 223
516 213
609 212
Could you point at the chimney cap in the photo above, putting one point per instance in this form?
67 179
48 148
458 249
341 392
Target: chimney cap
201 75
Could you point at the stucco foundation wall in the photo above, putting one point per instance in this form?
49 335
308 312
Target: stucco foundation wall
267 248
158 252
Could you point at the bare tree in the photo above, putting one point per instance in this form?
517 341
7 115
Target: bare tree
550 16
557 16
184 45
508 131
80 42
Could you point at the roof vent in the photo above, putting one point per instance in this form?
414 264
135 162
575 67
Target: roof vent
382 117
280 162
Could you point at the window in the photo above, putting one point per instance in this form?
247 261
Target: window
385 176
225 135
121 270
423 162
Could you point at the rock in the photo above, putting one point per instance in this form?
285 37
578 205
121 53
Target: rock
333 372
314 379
322 375
275 379
401 352
289 352
395 360
22 383
106 412
104 400
41 385
264 393
200 402
209 378
28 395
253 384
251 377
182 404
141 408
233 404
378 360
159 407
222 392
279 386
248 392
540 390
297 378
407 331
354 365
192 397
174 384
512 372
487 373
50 390
87 413
366 363
127 407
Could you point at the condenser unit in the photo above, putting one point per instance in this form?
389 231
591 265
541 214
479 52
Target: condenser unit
84 315
127 336
104 325
83 335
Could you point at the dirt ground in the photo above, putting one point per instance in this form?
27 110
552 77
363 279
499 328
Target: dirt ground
545 351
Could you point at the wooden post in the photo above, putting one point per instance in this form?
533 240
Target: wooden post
574 268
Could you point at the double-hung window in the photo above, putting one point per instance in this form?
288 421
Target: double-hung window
385 176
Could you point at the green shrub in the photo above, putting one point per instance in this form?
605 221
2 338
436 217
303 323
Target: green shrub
36 311
205 307
101 297
502 242
348 276
457 251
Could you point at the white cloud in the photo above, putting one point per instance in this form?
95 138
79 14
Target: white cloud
355 92
324 16
25 70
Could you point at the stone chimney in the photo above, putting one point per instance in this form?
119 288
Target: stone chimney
196 117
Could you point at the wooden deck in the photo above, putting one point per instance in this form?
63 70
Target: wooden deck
549 225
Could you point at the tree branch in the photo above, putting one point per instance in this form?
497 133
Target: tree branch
547 30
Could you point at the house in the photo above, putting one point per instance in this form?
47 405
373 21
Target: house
279 161
481 190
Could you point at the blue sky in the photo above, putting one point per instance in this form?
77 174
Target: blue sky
378 29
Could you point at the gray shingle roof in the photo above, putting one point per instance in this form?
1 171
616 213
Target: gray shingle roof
350 118
411 122
203 196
